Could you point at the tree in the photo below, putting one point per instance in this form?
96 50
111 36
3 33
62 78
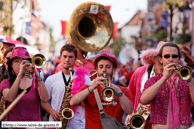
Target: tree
171 5
6 17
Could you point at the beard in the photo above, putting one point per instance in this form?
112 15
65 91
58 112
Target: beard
107 75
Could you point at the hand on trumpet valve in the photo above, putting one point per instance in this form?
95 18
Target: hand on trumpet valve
98 81
168 70
24 67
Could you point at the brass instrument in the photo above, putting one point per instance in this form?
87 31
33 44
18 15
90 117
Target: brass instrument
2 105
184 72
91 26
137 120
1 45
38 61
64 110
107 93
1 54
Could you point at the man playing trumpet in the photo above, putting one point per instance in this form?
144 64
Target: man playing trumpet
170 96
104 63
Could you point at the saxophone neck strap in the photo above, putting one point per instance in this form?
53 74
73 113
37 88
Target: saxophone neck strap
100 107
65 80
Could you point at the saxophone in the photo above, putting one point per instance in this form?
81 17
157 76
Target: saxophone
65 111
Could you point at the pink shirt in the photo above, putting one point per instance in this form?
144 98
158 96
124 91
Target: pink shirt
27 108
159 105
135 86
87 64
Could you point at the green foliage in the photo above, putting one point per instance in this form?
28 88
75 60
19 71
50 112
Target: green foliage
118 44
162 34
184 37
172 4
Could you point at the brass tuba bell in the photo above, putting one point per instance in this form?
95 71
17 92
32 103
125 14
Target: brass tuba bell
108 93
184 72
91 26
38 60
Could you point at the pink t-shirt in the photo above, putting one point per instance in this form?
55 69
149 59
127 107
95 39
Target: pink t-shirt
27 108
159 105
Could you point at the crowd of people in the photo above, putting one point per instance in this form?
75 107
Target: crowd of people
151 82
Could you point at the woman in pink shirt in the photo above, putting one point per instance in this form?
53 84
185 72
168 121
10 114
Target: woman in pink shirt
28 107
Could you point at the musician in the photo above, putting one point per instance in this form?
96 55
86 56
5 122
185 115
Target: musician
4 67
151 68
104 63
56 84
80 56
170 96
28 107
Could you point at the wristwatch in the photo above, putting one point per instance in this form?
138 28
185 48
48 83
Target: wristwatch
120 93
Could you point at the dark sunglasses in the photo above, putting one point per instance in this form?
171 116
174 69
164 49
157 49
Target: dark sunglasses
7 58
168 56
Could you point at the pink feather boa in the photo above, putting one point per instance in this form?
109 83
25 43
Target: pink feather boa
78 82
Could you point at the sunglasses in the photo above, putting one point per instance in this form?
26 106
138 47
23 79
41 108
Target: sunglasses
168 56
7 58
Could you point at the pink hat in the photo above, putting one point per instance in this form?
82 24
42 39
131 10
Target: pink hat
111 57
19 52
146 55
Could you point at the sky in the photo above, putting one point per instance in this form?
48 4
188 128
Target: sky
53 11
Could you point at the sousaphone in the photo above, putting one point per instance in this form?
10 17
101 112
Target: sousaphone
91 26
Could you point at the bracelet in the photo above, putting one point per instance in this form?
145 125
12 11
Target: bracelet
39 80
89 89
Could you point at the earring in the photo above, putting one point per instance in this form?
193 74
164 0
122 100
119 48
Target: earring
4 63
13 72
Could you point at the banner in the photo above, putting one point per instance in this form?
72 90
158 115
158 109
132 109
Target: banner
65 28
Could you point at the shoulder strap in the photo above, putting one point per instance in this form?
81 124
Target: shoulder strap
149 70
101 109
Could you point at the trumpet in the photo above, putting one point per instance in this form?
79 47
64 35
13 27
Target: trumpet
137 120
184 72
107 93
38 61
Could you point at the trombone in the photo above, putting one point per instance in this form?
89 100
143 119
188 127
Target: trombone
107 93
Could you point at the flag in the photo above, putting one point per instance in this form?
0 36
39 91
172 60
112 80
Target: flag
115 30
108 7
65 28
